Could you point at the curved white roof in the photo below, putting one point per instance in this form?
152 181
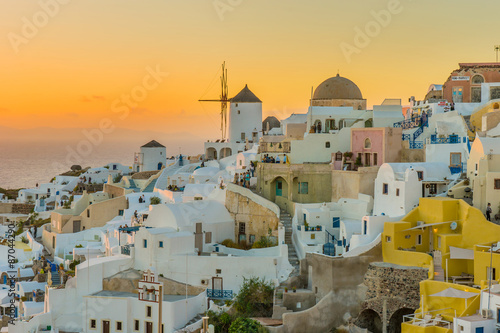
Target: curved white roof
190 190
487 145
206 171
188 214
432 170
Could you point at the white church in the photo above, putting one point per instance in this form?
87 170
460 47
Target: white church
245 126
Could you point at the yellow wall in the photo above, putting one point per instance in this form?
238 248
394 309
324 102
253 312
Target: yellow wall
482 260
472 229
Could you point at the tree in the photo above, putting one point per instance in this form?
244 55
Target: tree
255 298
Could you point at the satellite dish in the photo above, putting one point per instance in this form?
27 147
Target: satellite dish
453 225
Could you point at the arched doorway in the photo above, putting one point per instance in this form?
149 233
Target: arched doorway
160 165
397 319
318 126
225 152
279 188
370 320
211 153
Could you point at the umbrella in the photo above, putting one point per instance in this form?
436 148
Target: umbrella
455 293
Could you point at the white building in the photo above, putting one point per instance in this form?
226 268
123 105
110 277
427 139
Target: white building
245 126
153 156
399 186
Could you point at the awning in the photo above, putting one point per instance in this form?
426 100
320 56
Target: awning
459 253
455 293
426 225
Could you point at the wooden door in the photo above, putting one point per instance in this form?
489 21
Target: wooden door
105 326
76 226
149 327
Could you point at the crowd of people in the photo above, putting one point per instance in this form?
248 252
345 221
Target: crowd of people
271 159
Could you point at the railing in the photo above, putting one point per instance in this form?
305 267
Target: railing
317 228
406 137
125 249
449 139
412 123
220 294
416 145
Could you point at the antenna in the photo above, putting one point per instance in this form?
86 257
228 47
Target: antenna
497 48
223 101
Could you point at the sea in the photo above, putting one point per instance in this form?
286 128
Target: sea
24 164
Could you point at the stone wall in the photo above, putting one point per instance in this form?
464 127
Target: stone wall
90 188
258 219
411 155
348 184
396 286
16 208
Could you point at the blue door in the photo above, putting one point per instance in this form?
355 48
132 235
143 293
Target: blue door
365 226
479 329
5 279
336 222
279 188
160 165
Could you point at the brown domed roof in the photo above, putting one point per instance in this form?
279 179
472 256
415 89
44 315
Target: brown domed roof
337 87
245 96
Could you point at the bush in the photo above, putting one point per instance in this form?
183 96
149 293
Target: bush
220 320
117 178
255 298
73 264
246 325
265 242
154 200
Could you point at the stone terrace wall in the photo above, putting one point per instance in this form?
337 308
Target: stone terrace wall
18 208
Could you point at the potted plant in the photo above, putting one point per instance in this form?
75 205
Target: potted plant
286 289
294 289
318 228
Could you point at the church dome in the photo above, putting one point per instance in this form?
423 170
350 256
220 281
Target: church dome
337 87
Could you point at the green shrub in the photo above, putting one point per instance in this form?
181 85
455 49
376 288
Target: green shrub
255 298
265 242
154 201
73 264
246 325
117 178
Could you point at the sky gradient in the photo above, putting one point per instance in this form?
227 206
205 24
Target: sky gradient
83 57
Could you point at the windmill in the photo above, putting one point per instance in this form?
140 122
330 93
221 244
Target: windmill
223 101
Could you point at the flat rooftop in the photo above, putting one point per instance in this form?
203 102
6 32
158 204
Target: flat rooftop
474 318
124 294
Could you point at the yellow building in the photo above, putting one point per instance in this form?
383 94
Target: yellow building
457 244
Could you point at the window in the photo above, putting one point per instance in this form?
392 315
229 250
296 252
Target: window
419 239
136 325
387 239
160 244
497 184
432 188
385 188
242 227
313 236
218 271
375 159
475 94
367 159
238 111
198 198
243 136
455 159
327 144
368 143
303 188
397 192
93 323
120 212
149 312
88 213
336 222
236 105
477 79
420 175
118 325
490 273
338 156
145 243
208 237
252 239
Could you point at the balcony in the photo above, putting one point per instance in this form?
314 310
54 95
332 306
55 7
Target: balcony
412 123
125 249
219 294
434 139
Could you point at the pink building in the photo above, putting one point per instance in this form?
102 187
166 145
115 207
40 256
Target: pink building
372 146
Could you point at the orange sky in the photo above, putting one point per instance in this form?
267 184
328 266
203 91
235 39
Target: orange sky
86 54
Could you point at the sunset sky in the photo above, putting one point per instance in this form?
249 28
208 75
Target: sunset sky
87 53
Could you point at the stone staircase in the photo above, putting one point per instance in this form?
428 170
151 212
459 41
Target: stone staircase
438 269
151 186
286 220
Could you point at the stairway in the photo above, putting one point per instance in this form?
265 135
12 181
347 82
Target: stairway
151 186
286 220
438 269
56 278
